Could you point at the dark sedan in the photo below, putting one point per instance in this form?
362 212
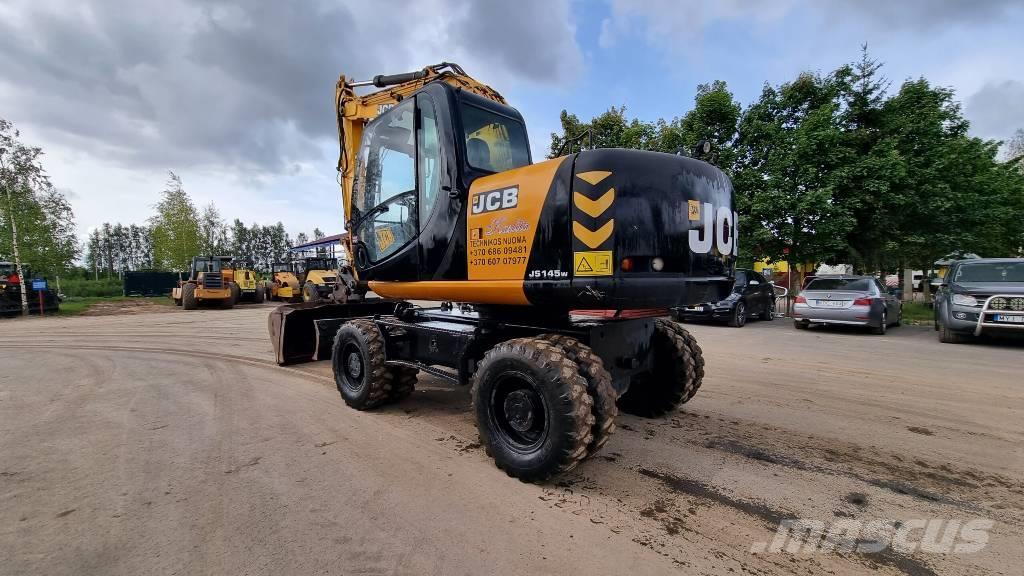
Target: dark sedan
751 295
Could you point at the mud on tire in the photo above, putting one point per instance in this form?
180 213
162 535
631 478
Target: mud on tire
599 385
357 360
676 376
532 409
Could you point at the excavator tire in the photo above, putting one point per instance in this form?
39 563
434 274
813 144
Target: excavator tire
363 379
677 373
188 297
260 295
309 293
533 411
404 383
599 385
236 293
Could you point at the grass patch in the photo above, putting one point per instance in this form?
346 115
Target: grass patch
75 306
916 312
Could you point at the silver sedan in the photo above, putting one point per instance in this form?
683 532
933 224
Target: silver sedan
852 300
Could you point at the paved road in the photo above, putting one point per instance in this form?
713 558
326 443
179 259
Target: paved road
167 444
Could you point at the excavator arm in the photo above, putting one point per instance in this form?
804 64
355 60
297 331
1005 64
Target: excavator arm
355 111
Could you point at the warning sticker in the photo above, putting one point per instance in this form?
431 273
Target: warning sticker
597 263
385 238
693 209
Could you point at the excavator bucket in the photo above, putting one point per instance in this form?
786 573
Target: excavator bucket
305 332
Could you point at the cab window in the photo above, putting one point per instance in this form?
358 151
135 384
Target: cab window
494 143
384 195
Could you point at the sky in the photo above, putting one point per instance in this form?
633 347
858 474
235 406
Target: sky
236 96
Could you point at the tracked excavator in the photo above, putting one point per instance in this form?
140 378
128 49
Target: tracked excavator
553 278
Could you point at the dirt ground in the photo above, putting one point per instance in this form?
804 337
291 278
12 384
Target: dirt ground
170 443
131 306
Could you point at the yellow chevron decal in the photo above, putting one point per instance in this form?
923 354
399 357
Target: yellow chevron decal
595 238
594 208
594 176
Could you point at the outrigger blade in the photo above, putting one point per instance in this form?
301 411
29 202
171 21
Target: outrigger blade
305 332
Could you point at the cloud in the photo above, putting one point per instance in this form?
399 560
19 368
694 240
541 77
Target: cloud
240 84
680 23
997 109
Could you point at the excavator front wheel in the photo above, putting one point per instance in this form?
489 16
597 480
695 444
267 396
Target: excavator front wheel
363 379
533 411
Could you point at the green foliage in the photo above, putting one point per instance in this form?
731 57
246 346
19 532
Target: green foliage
83 287
175 228
45 225
714 117
917 313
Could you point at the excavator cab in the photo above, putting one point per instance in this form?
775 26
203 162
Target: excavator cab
412 175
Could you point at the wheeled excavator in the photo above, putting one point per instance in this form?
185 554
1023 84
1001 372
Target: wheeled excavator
553 277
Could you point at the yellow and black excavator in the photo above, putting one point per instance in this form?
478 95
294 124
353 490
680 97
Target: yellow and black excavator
553 277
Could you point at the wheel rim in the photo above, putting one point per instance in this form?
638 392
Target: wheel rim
518 412
741 314
884 322
352 357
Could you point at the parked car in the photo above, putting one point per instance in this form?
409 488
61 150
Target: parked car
980 296
751 295
851 300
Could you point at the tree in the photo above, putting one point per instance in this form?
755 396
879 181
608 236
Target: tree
175 228
37 221
301 239
213 232
788 150
870 163
609 130
714 118
1015 150
241 243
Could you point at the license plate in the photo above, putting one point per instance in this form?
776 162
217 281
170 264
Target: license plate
831 303
1009 319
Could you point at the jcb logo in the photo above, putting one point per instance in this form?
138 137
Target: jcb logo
496 200
718 228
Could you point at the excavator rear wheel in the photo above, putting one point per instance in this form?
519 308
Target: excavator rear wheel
533 411
676 375
599 385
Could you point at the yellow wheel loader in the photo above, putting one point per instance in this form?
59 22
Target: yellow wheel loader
554 278
318 277
284 285
209 282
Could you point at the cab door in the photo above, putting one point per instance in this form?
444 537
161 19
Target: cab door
384 222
